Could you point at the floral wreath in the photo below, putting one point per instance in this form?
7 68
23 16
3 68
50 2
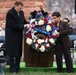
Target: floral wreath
41 35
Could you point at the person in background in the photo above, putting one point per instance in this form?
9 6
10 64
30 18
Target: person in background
70 26
63 43
2 36
15 24
46 15
66 20
38 9
2 31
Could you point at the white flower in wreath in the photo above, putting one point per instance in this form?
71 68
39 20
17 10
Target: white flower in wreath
41 22
55 32
47 45
48 28
42 48
40 41
29 41
51 40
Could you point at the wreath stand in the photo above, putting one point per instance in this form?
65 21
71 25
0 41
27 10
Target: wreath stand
34 58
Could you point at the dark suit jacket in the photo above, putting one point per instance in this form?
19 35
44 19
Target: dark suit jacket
64 32
14 32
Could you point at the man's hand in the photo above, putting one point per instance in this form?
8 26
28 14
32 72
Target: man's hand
27 25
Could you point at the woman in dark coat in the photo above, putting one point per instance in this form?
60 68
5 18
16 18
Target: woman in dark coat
38 9
63 43
15 23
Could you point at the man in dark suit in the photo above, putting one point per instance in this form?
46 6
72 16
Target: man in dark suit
63 43
15 24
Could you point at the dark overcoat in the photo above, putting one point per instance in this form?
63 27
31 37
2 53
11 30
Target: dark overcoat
14 32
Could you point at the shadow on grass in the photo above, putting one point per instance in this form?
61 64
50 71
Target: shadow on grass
29 69
40 69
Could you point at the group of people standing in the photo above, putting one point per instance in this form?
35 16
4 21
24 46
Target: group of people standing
16 23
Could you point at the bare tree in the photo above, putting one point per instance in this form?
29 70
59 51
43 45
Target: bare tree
65 7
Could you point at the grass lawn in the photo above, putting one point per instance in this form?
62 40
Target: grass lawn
40 71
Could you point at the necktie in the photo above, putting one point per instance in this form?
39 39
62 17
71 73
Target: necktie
18 15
